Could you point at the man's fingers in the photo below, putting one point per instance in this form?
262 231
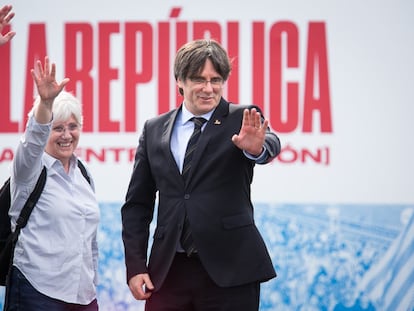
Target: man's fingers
265 124
141 286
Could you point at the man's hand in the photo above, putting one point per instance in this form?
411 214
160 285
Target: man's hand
5 16
141 286
252 133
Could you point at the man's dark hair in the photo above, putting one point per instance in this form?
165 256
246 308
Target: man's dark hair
191 57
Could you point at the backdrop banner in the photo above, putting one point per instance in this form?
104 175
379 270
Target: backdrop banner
336 208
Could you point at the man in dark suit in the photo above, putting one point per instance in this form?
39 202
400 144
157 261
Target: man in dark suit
207 253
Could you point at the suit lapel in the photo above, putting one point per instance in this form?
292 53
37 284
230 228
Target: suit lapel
166 138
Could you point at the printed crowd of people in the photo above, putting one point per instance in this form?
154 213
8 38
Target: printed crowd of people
197 160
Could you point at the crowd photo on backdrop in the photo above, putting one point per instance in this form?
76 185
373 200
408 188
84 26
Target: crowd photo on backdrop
198 162
47 272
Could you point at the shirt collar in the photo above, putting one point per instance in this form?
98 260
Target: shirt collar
187 115
50 161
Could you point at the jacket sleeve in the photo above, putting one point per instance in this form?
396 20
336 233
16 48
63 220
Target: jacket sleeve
137 212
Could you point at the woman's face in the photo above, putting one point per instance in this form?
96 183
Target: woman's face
202 93
63 139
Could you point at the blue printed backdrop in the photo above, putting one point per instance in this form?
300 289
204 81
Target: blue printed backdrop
328 257
322 255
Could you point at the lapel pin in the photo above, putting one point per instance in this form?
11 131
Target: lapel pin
217 122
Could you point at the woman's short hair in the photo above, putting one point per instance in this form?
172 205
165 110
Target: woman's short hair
65 105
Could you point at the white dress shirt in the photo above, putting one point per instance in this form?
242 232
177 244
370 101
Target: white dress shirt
183 128
57 251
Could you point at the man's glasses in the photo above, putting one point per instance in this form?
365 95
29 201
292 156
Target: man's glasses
203 82
70 127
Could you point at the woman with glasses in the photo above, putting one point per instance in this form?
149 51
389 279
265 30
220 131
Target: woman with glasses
56 255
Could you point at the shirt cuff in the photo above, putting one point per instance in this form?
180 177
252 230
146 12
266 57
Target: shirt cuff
259 159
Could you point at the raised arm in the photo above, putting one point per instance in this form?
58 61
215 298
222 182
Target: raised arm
48 89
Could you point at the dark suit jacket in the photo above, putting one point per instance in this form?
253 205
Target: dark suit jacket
216 198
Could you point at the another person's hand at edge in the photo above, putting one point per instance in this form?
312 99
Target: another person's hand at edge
5 16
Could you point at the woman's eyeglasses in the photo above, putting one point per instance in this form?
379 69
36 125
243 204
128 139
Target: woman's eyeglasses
70 127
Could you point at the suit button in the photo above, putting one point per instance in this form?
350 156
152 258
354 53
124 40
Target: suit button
186 196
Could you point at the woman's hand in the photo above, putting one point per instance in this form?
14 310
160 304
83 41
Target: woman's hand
45 80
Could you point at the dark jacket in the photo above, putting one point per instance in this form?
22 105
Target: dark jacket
217 200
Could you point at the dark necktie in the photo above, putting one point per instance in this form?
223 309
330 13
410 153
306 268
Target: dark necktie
191 146
186 238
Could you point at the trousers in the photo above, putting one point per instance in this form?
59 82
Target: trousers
22 296
188 287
